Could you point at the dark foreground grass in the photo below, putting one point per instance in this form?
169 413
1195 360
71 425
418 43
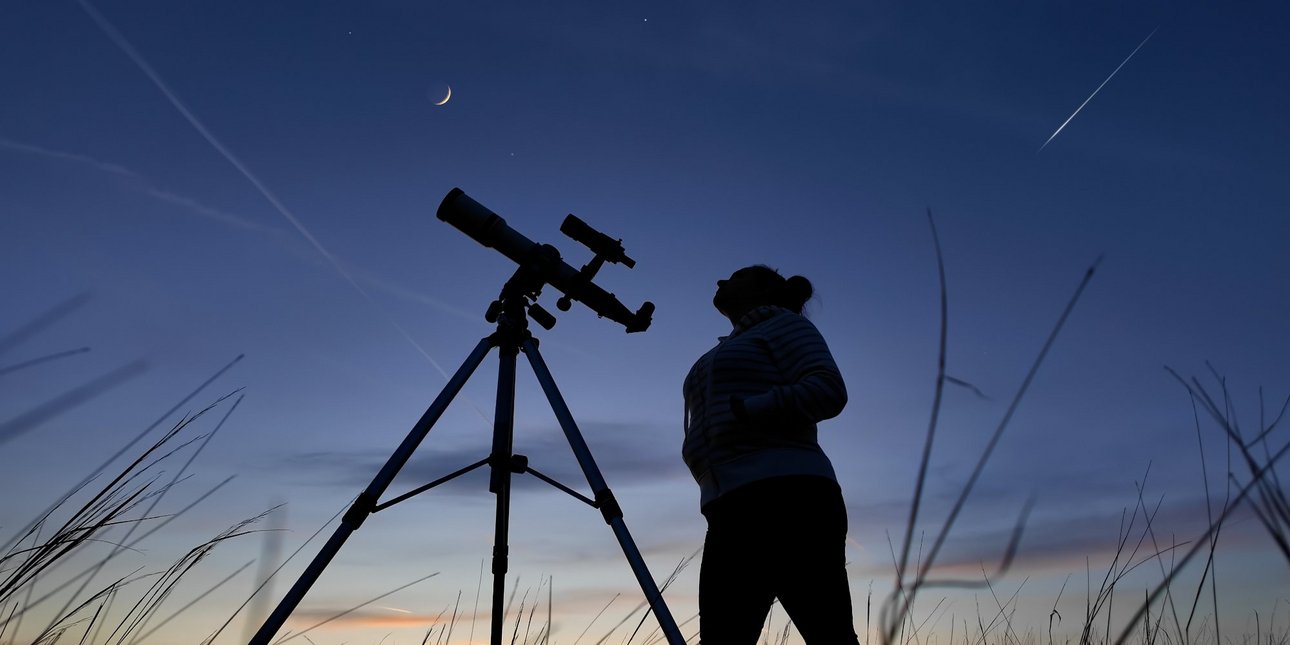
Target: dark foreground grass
118 516
1259 488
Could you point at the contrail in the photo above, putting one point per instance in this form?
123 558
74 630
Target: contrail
144 185
120 171
1099 88
120 41
148 187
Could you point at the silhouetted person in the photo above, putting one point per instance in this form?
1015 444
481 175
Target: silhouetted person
776 519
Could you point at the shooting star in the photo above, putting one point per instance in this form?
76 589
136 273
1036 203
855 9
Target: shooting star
1099 88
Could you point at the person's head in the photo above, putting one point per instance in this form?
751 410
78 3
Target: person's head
760 285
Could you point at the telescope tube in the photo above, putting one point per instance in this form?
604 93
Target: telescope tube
488 228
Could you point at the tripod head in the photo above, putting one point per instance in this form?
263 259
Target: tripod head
541 264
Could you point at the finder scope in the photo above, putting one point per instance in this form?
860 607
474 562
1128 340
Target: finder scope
488 228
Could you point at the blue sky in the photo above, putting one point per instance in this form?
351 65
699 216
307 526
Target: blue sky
299 230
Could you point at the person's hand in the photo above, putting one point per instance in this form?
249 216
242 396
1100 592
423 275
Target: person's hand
737 408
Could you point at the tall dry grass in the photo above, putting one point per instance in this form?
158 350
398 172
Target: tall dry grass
1259 488
52 586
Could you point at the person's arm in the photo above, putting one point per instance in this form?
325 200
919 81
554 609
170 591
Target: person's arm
814 391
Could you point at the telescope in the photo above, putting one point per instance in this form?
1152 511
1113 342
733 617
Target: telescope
541 264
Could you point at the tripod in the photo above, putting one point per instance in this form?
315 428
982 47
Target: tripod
511 337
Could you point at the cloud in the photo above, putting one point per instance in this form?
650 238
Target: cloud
369 617
1071 540
614 601
625 453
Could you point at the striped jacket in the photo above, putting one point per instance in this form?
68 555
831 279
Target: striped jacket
752 402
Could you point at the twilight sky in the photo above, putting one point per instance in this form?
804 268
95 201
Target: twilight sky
187 183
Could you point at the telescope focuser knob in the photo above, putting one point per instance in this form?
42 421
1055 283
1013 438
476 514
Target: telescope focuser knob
564 303
541 316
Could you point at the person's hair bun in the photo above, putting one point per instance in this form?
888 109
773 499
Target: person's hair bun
797 290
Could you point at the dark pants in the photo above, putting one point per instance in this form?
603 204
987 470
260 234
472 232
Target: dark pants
778 538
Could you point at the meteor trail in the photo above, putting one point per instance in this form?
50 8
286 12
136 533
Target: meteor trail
1099 88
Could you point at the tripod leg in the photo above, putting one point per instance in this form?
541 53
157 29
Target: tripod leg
609 508
500 480
362 506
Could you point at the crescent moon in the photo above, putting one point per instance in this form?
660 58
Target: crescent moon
445 99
